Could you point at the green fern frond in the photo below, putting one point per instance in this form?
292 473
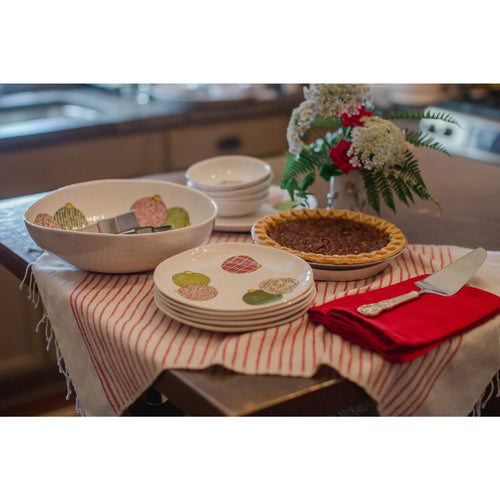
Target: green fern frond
401 189
385 190
298 165
372 192
420 139
420 115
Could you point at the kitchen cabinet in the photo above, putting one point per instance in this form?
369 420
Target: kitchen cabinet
49 167
255 137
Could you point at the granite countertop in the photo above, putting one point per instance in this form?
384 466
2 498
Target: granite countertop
100 113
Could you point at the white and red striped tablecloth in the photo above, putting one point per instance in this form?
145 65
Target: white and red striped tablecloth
115 342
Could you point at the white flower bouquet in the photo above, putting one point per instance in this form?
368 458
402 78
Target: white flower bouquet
364 141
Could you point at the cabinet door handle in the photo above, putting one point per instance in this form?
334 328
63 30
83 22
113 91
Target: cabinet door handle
229 143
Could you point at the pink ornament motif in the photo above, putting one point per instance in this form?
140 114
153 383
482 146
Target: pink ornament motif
150 211
240 264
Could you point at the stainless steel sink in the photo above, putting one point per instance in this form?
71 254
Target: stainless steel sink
58 110
28 113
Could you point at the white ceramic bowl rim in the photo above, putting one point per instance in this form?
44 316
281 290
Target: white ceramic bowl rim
254 171
32 210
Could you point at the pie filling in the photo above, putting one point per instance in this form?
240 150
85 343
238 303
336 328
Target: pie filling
329 236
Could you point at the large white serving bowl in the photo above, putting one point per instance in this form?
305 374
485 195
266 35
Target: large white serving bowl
121 253
222 173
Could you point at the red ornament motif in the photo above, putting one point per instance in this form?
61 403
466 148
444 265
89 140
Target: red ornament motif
355 120
338 154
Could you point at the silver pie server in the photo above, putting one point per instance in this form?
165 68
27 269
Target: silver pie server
447 281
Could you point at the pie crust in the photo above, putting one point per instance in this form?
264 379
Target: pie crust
396 239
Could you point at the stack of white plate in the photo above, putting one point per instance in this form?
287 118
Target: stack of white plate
234 287
239 185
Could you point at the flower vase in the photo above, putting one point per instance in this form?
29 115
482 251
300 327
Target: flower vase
347 191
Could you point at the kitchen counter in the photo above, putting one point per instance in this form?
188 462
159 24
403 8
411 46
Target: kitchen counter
110 115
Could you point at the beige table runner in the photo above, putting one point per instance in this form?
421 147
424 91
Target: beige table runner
115 342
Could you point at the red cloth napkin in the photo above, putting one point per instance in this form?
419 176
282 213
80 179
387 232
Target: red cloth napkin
411 329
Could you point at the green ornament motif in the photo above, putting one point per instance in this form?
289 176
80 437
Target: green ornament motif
177 217
189 278
70 218
259 297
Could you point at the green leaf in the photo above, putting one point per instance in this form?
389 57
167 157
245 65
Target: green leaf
327 121
421 139
385 190
307 181
372 192
419 115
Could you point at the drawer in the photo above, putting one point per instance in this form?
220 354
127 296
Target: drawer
259 137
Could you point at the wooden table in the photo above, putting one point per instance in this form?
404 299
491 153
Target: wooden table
216 390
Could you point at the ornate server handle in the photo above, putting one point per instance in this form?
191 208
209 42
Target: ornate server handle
378 307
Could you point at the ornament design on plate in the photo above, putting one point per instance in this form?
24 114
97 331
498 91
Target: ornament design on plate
198 292
259 297
69 217
194 286
190 278
278 285
240 264
47 220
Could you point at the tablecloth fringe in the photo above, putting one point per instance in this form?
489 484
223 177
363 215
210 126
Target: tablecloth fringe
487 395
34 297
33 294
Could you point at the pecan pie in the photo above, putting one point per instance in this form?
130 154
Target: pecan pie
326 236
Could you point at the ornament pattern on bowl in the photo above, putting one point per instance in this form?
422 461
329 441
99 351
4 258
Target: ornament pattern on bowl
150 212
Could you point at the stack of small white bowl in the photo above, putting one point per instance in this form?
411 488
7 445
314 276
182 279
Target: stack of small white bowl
239 185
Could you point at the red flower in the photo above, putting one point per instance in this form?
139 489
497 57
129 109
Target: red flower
355 120
338 154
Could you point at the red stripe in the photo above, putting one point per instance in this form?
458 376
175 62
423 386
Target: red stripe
389 372
235 352
143 363
172 340
422 370
84 319
370 370
430 383
169 322
332 337
270 352
103 336
113 339
105 366
75 294
407 366
193 349
280 362
259 350
349 363
131 359
188 331
206 348
375 382
146 344
290 359
119 341
341 353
